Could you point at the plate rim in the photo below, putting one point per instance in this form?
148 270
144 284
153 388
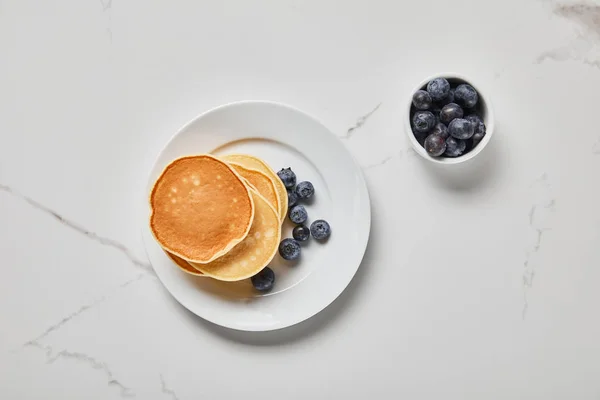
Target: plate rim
363 189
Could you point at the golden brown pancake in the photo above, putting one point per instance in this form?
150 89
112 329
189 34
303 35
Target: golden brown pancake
261 182
253 253
258 164
184 265
201 208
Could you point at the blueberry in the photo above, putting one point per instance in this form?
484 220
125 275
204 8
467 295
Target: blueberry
449 99
289 249
320 229
264 280
466 96
440 130
438 89
288 177
477 138
301 233
461 128
422 100
479 127
436 110
455 147
469 145
292 198
451 111
304 190
421 137
474 119
298 214
423 121
435 145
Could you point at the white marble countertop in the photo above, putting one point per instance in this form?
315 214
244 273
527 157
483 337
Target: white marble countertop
479 288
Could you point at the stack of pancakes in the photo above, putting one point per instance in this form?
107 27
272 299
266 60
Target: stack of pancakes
218 217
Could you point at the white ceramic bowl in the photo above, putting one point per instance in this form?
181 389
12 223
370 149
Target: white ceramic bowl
487 114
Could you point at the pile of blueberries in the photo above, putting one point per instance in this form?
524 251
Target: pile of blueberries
446 119
289 248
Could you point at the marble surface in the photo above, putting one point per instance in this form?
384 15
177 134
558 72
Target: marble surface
478 283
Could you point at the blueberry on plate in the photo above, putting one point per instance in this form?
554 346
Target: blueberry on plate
289 249
435 145
466 95
451 111
288 177
422 100
438 88
305 190
264 280
320 229
455 147
440 130
423 121
298 214
301 233
461 128
292 198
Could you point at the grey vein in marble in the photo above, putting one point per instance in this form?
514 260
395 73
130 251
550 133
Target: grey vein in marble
537 226
389 158
587 18
106 4
360 122
79 311
587 15
145 266
86 359
596 149
106 7
166 390
65 320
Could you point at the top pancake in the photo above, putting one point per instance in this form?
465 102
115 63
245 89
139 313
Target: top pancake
201 208
256 251
252 162
259 181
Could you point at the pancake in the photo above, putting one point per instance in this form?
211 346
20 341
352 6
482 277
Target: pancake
258 164
184 265
255 252
261 182
201 208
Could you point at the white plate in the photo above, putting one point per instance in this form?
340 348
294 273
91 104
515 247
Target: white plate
283 137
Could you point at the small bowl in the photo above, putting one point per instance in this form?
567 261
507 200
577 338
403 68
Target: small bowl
485 110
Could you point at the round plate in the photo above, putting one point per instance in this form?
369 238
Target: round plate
283 137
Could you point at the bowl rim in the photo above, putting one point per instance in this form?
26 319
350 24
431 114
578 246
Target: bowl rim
488 120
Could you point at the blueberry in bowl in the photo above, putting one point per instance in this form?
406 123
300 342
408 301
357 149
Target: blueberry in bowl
423 121
449 119
422 100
